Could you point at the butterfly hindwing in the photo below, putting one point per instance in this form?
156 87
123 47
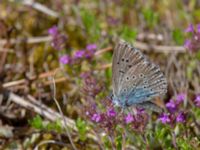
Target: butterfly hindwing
150 106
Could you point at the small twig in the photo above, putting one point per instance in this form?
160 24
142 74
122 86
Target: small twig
41 76
124 141
150 36
101 144
41 109
103 67
7 50
46 112
174 140
159 48
49 141
60 111
112 142
40 8
30 40
101 51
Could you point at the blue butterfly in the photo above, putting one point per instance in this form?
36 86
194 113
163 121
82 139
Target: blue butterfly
135 80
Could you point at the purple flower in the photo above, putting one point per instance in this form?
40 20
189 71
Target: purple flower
79 54
187 44
198 28
180 97
197 100
65 59
180 117
53 31
171 106
91 47
58 40
89 53
192 44
190 28
90 50
96 117
164 118
129 118
111 112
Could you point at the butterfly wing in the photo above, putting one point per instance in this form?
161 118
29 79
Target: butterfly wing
150 106
135 79
124 58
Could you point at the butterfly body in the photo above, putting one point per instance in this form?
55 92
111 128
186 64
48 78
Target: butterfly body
135 79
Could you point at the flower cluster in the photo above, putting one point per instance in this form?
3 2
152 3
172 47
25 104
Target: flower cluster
107 116
90 85
58 42
193 44
137 121
58 39
174 115
87 53
110 118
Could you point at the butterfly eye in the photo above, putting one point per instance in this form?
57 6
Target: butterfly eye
122 59
127 78
127 60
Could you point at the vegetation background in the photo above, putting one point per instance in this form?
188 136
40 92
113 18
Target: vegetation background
55 74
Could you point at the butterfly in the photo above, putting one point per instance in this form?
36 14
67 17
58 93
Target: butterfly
135 80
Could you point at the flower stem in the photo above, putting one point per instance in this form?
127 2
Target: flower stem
174 140
124 141
112 142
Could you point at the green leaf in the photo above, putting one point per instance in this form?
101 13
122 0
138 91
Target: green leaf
82 128
106 142
108 73
87 18
150 17
198 55
118 141
91 24
36 122
54 126
178 37
196 112
128 34
183 144
163 135
190 68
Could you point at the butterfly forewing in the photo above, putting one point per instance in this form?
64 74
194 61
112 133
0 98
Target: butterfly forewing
135 79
